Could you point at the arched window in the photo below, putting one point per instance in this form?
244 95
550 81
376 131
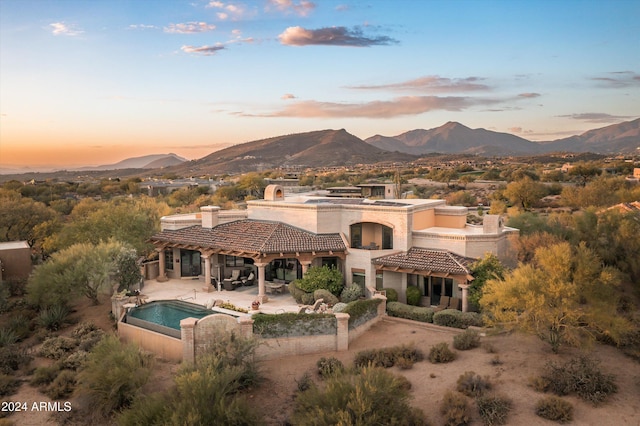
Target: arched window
371 236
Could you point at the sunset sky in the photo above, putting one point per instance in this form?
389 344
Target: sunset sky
94 82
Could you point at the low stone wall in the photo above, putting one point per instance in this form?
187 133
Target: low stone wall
163 346
196 333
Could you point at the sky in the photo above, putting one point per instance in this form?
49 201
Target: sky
95 82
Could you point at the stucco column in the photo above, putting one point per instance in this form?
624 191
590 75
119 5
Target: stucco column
305 267
187 332
262 296
161 266
465 294
342 338
207 269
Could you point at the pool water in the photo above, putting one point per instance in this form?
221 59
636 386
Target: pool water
169 313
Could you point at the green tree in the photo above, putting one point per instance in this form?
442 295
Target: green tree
252 184
524 192
583 172
484 269
322 277
565 297
20 215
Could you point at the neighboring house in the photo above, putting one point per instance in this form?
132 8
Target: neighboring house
374 243
15 260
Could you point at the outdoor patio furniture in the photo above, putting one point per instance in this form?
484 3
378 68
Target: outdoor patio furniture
313 308
454 303
273 288
227 283
248 281
444 303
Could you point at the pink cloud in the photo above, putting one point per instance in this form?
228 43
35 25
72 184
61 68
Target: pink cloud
331 36
301 8
202 50
189 28
431 84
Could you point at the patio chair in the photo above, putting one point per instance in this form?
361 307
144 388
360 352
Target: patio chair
249 280
313 308
210 304
454 303
444 303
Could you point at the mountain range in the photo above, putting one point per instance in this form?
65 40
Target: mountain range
326 148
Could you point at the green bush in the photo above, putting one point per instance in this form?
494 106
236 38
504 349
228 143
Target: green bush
413 296
62 386
581 376
296 292
392 294
322 277
374 396
415 313
471 319
468 339
455 409
339 307
53 317
146 410
113 375
441 353
361 311
472 384
8 385
351 293
449 318
494 409
75 360
555 409
326 297
328 367
293 324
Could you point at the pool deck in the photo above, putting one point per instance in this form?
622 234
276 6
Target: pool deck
191 291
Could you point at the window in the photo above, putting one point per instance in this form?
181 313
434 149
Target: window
356 235
330 262
387 237
379 283
358 277
233 261
168 259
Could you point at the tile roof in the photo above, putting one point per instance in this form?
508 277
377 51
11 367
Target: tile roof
421 259
258 236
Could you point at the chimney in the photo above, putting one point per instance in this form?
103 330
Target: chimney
491 224
209 216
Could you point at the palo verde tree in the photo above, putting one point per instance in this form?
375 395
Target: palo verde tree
82 270
565 296
489 267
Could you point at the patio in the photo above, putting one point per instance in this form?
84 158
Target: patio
190 290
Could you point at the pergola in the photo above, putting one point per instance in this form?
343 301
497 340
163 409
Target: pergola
433 263
259 240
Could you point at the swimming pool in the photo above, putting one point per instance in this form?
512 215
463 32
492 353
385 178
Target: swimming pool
164 316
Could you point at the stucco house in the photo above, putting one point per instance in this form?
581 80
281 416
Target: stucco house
376 243
15 260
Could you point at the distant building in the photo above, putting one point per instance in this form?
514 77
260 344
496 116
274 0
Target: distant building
15 260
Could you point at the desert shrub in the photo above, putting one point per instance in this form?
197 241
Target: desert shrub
7 337
472 384
469 319
62 386
146 410
489 348
5 305
208 394
53 317
20 324
413 296
12 358
304 383
351 293
83 329
449 318
387 357
339 307
392 294
441 353
494 409
581 376
329 367
86 342
496 360
455 409
57 347
8 385
374 396
75 360
404 363
321 277
466 340
45 374
555 409
113 375
235 351
415 313
326 297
